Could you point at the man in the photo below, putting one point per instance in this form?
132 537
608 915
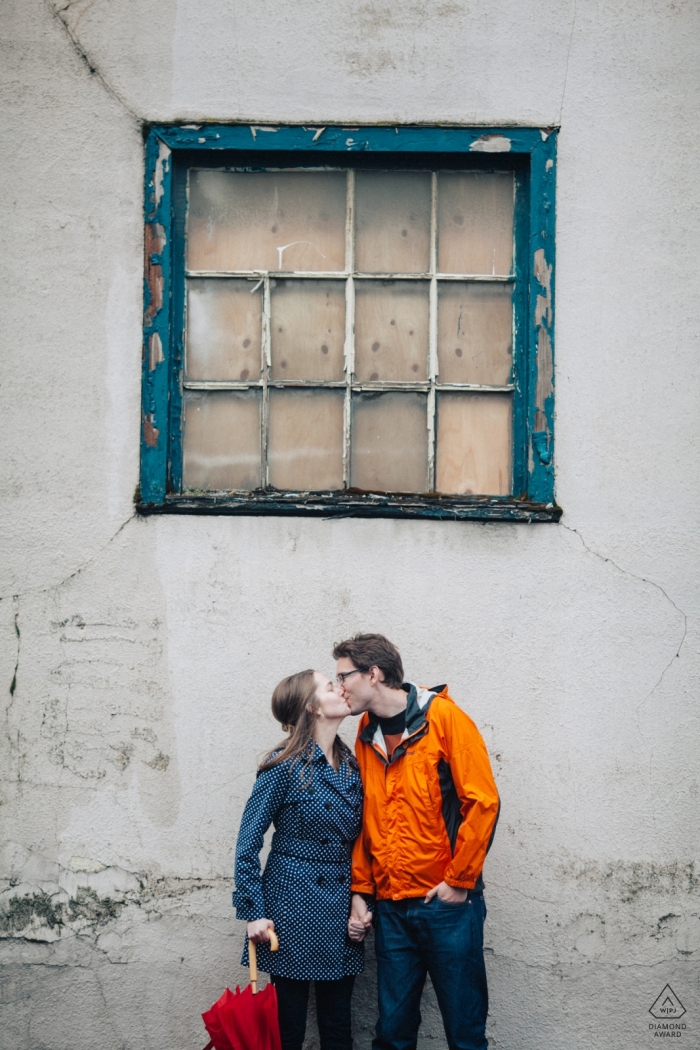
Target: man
430 811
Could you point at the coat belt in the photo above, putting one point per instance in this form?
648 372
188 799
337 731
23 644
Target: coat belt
334 851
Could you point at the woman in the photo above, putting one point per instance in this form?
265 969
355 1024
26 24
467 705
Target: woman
309 788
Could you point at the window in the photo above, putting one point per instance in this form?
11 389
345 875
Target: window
344 321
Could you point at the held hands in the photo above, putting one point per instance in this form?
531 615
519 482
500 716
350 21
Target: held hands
448 894
360 918
257 930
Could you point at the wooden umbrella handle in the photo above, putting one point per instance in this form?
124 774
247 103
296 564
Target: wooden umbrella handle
253 958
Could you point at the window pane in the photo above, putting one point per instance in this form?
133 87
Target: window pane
221 441
389 447
223 329
391 331
308 329
305 444
475 332
392 222
474 444
266 220
475 222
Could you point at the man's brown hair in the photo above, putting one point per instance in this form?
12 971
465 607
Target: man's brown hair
373 650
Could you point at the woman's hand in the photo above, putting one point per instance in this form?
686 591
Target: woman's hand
257 930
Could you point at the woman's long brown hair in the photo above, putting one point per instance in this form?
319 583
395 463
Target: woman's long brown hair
294 704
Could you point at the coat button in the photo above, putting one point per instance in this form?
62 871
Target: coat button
341 879
324 842
320 880
326 805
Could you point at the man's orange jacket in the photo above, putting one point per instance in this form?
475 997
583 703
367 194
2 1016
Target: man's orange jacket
430 812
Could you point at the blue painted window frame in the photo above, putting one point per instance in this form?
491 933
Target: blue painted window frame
533 406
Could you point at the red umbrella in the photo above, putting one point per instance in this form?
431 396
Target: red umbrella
246 1020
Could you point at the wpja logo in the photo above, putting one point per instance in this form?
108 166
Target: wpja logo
667 1009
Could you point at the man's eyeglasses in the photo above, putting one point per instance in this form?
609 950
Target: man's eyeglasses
340 678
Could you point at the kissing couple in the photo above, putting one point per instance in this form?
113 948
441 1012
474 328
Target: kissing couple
393 837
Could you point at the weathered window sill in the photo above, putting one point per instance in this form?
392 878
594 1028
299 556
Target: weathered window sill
357 505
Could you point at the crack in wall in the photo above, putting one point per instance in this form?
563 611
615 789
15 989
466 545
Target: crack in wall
13 683
14 734
14 745
634 575
669 599
58 13
566 75
76 572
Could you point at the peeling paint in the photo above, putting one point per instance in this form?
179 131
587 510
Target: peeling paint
545 369
543 273
150 432
155 351
44 917
157 290
360 504
544 388
85 864
542 309
491 144
122 754
254 129
161 168
160 762
49 912
154 243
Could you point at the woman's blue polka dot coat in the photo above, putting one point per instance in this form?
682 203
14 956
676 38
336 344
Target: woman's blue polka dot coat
305 888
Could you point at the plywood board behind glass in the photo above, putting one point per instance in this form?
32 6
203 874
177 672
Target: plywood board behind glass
349 330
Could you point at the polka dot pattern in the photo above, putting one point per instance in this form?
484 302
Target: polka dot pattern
305 888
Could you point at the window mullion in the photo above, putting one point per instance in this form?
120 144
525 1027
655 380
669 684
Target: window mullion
266 362
432 337
349 323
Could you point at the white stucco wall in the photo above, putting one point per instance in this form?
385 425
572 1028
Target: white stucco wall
143 651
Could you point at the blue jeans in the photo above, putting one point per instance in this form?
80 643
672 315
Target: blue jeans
446 941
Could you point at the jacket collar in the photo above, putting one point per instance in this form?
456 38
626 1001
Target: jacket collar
417 705
319 758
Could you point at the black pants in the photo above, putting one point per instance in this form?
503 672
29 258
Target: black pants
332 1012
